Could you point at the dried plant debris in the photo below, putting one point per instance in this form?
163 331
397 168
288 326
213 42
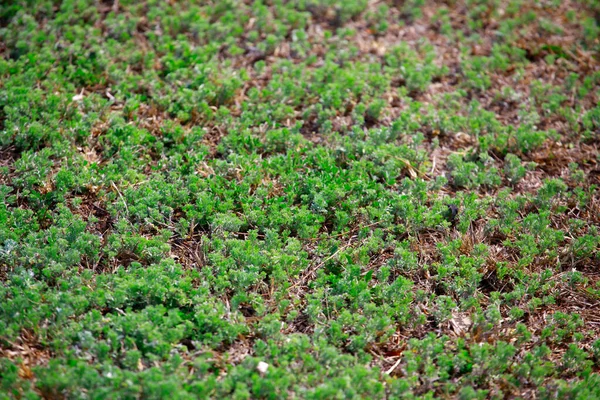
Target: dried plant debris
300 199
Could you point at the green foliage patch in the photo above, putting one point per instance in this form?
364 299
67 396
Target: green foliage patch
299 199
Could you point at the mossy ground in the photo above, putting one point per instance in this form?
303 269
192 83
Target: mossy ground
378 199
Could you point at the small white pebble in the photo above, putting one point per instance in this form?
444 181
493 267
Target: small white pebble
262 367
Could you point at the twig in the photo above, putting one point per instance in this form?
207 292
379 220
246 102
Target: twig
393 367
122 198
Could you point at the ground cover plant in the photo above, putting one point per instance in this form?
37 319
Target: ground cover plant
299 199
